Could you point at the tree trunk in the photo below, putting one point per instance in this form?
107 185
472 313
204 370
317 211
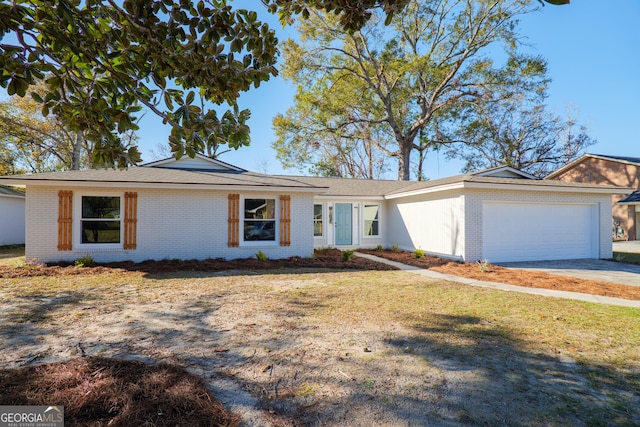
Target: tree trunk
75 153
404 161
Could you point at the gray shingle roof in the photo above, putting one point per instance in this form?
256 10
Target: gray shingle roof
156 176
631 198
150 175
622 158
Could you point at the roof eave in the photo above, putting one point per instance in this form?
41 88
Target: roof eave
161 185
552 187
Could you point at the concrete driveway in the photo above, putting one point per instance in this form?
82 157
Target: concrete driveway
632 246
592 269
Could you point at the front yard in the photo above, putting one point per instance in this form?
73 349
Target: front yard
321 347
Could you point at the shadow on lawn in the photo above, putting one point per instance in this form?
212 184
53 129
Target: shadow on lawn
451 370
444 370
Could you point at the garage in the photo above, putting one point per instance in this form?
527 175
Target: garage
539 231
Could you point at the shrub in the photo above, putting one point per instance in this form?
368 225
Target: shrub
484 266
32 263
419 253
85 261
347 254
261 256
379 248
395 248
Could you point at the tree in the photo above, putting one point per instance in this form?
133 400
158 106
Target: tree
519 133
104 59
41 144
353 14
401 79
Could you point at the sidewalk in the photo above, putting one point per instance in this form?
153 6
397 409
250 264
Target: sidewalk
504 287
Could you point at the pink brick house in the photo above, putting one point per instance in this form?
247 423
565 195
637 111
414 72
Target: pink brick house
610 170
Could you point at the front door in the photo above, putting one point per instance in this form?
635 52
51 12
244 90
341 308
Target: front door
343 224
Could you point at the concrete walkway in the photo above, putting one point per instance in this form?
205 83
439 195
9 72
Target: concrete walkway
504 287
632 246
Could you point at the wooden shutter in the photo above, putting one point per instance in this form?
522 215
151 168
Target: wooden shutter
233 239
130 220
65 220
285 220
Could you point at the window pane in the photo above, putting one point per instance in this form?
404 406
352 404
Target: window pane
371 220
259 230
100 231
317 220
260 209
100 207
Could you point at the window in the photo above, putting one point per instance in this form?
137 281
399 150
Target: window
317 220
259 220
100 220
371 220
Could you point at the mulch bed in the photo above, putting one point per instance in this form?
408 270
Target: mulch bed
98 392
323 259
332 259
531 279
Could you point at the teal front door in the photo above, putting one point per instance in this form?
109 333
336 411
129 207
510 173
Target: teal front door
343 224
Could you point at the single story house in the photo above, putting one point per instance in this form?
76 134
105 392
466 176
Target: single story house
11 216
198 208
620 171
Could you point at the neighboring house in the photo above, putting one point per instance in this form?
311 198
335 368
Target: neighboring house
610 170
197 208
11 216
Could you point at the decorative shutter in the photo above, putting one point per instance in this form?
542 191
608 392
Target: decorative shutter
65 220
130 220
233 239
285 220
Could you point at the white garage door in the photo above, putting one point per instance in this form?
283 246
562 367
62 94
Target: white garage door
529 232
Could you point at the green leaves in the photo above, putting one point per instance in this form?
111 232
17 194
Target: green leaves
100 59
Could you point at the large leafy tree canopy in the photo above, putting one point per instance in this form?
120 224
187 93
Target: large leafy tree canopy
35 143
402 82
104 59
352 14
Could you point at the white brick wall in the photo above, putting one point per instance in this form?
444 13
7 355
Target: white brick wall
184 224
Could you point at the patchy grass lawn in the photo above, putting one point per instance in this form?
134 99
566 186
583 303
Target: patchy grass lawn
628 257
12 255
317 347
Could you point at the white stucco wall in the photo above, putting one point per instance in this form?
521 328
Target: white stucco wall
433 222
474 198
183 224
12 220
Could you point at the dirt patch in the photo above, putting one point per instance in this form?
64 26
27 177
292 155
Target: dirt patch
98 391
497 274
334 348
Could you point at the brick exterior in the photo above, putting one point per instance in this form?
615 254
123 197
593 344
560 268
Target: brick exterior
183 224
450 224
594 170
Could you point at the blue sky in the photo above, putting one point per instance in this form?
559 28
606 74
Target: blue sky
593 53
